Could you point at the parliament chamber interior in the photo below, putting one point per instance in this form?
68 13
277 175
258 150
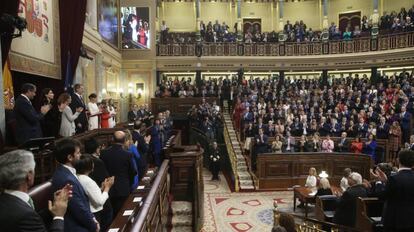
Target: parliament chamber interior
207 115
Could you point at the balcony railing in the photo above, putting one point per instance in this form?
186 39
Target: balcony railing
358 45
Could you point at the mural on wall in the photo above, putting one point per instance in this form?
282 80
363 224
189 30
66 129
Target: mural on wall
135 28
37 39
37 51
108 20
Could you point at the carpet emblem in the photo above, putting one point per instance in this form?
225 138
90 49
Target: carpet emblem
241 226
234 211
252 202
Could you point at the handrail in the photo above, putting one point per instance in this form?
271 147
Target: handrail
232 156
142 215
355 45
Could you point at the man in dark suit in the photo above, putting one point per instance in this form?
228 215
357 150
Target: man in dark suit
345 213
405 118
119 164
133 113
77 101
398 195
78 217
343 143
17 211
28 120
142 143
383 129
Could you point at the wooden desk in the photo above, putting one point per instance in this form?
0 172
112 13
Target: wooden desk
282 171
307 195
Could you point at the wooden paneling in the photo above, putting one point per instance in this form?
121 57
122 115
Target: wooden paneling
281 171
178 107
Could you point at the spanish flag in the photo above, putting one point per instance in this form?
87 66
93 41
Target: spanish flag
8 86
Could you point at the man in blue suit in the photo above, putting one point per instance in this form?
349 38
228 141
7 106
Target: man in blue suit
78 217
118 162
28 120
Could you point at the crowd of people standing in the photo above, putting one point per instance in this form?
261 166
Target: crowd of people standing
65 116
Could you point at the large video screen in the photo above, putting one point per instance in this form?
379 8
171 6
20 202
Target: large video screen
135 28
108 20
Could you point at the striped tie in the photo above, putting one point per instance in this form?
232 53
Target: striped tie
30 201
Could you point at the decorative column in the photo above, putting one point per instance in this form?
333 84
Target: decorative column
2 105
91 14
281 25
375 15
325 23
239 22
198 28
100 77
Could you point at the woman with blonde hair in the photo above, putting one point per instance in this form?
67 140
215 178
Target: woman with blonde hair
311 180
277 144
67 123
324 188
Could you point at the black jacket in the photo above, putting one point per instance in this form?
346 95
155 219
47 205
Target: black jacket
118 162
28 121
399 202
99 172
17 216
82 119
345 213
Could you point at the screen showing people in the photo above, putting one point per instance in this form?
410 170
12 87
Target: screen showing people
135 28
108 21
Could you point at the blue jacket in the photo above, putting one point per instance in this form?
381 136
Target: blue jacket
78 217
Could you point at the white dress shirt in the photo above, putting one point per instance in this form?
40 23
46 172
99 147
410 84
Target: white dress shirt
97 198
311 182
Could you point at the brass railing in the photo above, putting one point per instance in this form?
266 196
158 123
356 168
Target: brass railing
232 157
357 45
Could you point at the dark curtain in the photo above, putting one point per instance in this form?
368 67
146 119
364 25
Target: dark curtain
72 20
8 7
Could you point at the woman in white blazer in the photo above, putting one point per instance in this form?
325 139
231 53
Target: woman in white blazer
67 124
94 112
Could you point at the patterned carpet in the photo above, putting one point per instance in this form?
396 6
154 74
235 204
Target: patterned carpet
252 211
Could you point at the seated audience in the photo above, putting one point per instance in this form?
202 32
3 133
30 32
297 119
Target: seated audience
343 143
118 162
344 181
311 180
277 145
17 213
345 213
357 145
328 144
370 148
78 216
97 195
324 188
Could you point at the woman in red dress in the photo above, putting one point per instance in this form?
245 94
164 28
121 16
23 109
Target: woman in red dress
357 145
105 115
238 110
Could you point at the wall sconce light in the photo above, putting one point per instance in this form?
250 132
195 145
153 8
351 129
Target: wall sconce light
140 89
130 90
323 174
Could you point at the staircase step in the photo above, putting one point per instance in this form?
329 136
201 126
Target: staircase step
182 221
244 176
182 229
181 208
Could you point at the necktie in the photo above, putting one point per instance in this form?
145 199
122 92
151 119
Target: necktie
30 201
